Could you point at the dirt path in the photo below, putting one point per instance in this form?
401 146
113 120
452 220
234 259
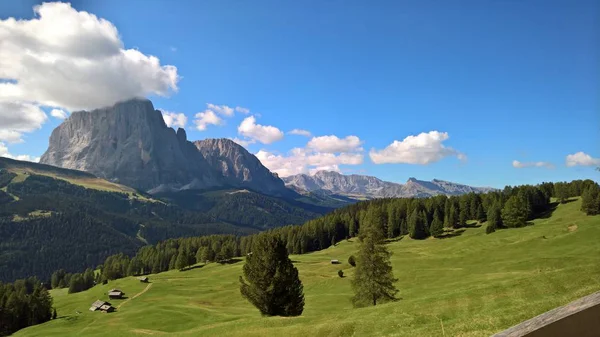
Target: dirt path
136 295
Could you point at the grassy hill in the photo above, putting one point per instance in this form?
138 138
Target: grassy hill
472 284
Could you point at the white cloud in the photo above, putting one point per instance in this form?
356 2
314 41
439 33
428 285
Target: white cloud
206 118
4 153
265 134
300 132
518 164
174 119
10 136
19 117
58 113
581 159
332 144
242 110
243 142
305 161
220 109
74 60
423 149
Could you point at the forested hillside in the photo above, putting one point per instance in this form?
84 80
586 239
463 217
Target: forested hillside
47 214
438 216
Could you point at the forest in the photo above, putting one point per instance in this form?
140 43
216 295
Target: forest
438 216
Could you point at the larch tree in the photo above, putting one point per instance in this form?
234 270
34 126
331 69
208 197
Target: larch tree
373 280
270 281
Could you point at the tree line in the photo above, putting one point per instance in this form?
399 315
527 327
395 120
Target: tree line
418 218
23 303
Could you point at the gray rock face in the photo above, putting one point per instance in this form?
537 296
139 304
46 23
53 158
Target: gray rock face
239 167
129 143
371 187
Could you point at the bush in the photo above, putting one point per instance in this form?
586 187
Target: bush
340 273
490 228
352 261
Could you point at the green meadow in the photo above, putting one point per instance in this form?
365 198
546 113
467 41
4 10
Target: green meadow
471 284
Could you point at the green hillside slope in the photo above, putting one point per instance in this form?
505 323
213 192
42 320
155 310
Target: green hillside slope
469 285
53 218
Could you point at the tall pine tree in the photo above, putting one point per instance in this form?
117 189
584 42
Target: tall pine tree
270 281
437 227
373 280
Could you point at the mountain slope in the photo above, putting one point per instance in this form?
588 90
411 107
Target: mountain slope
459 287
48 213
370 187
239 167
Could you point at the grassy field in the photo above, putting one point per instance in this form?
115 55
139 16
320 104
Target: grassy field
472 284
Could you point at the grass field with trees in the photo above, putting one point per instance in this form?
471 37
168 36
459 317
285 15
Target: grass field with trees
468 283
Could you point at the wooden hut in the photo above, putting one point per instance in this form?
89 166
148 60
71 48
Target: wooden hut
143 279
115 294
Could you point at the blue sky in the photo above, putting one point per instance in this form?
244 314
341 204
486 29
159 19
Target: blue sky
501 80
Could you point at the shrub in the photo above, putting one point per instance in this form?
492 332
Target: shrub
340 273
352 261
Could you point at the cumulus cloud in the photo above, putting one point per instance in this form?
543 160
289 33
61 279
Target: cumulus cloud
206 118
74 60
10 136
243 142
581 159
423 149
300 160
19 117
220 109
174 119
300 132
4 153
265 134
332 144
242 110
59 113
518 164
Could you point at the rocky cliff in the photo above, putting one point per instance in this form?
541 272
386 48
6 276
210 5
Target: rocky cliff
129 143
239 167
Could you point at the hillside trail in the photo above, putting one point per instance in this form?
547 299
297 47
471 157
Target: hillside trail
136 295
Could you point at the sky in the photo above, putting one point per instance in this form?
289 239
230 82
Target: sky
485 93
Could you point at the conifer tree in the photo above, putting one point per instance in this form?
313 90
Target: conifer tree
437 227
416 225
462 217
590 200
480 214
515 212
270 281
373 280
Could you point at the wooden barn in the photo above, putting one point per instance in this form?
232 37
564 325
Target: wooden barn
143 279
102 306
115 294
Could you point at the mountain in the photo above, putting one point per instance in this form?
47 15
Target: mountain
240 168
130 143
47 213
361 186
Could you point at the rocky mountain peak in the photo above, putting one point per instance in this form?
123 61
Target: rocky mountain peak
240 167
130 143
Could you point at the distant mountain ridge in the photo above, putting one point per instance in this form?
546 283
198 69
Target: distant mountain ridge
371 187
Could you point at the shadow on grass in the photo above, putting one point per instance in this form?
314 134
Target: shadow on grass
451 234
394 239
230 261
548 212
192 267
